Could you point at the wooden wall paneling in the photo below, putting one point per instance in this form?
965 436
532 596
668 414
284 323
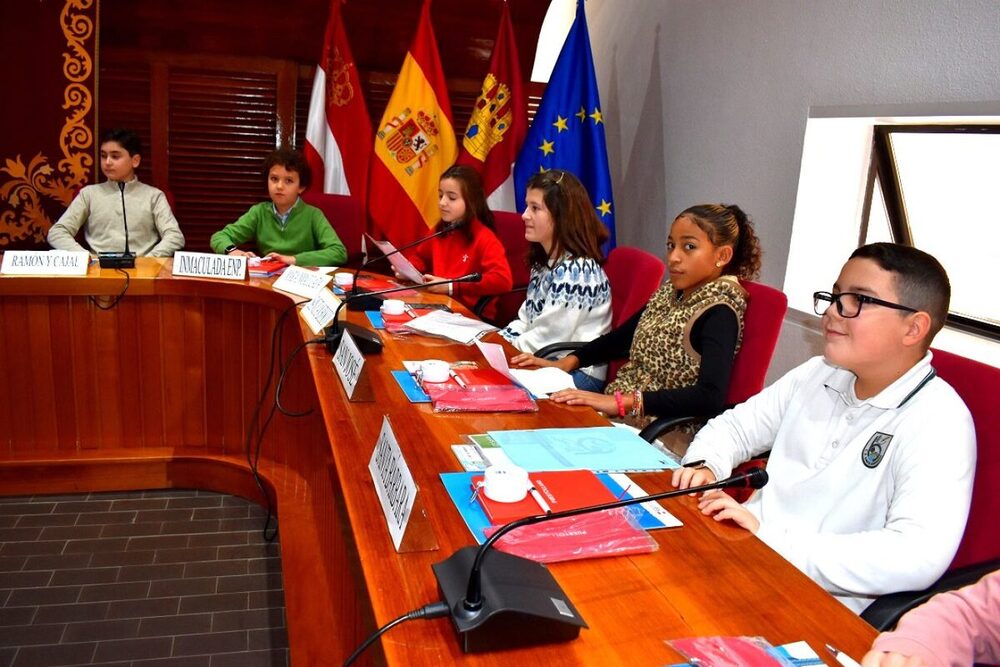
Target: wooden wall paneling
288 80
159 103
129 352
151 367
127 99
219 377
222 125
86 387
35 349
193 379
108 376
17 386
254 336
303 95
174 357
62 392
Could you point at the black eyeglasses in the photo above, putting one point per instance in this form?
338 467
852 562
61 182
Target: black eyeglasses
849 303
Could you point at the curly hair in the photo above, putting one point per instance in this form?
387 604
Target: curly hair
727 224
292 160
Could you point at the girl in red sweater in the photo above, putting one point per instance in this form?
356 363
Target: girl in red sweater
472 248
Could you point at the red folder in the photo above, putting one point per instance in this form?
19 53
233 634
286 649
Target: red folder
562 490
267 268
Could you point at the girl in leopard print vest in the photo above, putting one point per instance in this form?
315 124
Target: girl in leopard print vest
680 346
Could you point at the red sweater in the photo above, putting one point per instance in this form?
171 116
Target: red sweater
452 255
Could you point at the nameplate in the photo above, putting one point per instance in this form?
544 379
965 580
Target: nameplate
301 282
394 483
349 363
45 263
318 313
208 265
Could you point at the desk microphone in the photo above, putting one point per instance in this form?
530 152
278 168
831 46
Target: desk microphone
119 260
510 602
372 303
367 340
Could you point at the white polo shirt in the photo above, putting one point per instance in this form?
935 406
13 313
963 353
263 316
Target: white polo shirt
866 497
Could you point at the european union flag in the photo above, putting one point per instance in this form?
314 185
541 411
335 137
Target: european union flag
568 130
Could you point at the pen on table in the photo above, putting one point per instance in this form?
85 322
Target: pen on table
460 381
842 658
541 501
700 463
409 310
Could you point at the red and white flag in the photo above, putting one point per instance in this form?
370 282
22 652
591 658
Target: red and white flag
499 121
339 131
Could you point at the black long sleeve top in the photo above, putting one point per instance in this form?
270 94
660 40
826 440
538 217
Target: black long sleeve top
713 335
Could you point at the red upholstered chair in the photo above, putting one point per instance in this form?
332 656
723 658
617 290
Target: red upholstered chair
509 227
347 217
634 275
979 551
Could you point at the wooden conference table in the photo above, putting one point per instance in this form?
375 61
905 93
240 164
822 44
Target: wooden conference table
158 392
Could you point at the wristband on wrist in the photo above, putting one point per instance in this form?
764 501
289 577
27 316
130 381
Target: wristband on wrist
636 410
621 403
229 249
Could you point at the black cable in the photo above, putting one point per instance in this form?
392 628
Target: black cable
428 611
284 372
114 301
252 430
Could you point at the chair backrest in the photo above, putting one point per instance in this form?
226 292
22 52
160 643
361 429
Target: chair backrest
634 275
978 384
766 308
509 228
346 215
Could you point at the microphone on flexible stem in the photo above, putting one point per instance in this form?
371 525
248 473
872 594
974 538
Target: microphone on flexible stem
119 260
510 602
373 303
367 340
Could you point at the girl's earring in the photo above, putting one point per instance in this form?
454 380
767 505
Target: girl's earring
718 265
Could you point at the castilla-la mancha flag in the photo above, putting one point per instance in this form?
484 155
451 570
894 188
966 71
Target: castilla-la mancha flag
338 133
499 121
414 143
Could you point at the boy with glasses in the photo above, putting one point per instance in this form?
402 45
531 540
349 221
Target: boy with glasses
872 455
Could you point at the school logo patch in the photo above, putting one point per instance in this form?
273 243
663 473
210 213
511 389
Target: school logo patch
875 450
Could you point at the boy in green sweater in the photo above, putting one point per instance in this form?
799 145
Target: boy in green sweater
286 228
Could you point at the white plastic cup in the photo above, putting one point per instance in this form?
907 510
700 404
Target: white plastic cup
393 307
505 484
344 280
435 370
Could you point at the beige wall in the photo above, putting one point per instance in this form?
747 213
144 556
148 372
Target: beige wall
707 100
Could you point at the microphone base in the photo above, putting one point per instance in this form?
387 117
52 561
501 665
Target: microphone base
368 341
522 603
360 300
116 260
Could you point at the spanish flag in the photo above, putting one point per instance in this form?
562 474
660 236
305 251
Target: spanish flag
414 143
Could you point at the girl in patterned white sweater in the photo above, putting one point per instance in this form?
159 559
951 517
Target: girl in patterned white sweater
568 298
680 346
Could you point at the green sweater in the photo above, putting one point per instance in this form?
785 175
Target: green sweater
307 235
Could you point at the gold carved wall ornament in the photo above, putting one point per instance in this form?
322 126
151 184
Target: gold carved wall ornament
22 215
